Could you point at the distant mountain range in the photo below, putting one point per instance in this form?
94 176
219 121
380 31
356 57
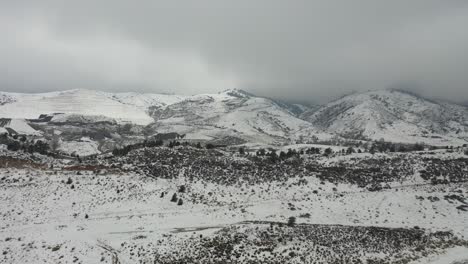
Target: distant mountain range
383 114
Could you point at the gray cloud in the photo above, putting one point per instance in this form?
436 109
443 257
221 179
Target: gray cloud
297 50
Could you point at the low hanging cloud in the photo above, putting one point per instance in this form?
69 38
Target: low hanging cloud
295 50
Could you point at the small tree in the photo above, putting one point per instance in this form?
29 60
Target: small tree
14 146
282 155
292 221
261 152
174 198
273 156
171 144
180 202
328 152
182 189
209 146
125 129
241 151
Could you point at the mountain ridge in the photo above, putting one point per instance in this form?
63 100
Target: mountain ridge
390 114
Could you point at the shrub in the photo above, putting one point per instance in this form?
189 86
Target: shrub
261 152
14 146
182 189
241 151
209 146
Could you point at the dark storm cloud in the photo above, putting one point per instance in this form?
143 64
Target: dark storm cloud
298 50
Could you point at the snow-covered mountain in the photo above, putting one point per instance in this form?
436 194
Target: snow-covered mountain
394 116
231 114
121 106
234 114
238 116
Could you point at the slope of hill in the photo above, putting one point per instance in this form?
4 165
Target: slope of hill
233 114
121 106
16 126
394 116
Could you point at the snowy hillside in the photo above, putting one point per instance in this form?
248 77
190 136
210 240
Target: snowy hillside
394 116
121 106
233 113
16 126
235 116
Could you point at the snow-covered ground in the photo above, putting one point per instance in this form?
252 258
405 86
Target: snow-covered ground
84 147
60 216
457 255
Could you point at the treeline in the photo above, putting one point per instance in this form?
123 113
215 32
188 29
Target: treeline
383 146
198 145
125 150
375 147
159 143
272 155
17 143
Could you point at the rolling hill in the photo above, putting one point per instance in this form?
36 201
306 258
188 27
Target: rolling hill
392 115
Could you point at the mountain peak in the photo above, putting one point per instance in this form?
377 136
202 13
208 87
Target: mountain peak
235 92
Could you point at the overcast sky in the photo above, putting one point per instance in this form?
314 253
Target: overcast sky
298 50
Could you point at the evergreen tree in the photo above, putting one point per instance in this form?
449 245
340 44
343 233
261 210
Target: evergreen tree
182 189
241 151
174 198
261 152
292 221
328 152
